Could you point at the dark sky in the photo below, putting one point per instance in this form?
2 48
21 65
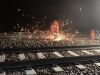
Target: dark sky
61 10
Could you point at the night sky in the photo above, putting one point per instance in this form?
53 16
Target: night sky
84 14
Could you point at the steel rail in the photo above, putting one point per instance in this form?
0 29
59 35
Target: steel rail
32 49
40 62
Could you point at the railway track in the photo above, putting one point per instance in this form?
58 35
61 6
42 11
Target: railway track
10 58
36 55
17 58
76 68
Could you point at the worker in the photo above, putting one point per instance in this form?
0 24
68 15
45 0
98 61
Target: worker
55 27
92 35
